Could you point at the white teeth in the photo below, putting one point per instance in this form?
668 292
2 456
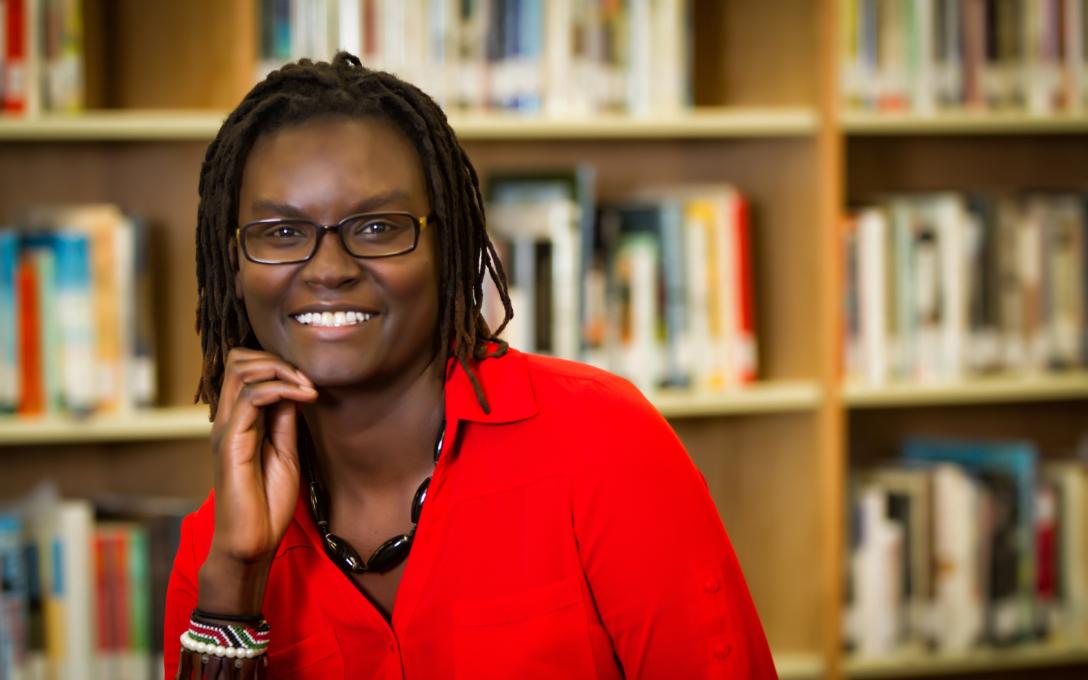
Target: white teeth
332 319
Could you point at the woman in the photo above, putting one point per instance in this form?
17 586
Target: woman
363 409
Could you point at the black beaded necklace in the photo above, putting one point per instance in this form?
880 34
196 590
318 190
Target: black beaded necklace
387 555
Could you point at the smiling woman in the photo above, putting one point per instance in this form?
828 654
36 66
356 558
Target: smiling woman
397 493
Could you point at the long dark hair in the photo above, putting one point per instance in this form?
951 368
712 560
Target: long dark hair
306 90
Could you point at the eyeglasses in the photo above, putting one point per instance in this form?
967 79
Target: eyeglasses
366 235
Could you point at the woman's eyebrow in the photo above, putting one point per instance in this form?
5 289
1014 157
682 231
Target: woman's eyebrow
282 209
265 206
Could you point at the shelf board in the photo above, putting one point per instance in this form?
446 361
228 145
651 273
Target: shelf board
767 397
154 424
94 126
962 123
192 422
917 664
799 666
987 390
707 123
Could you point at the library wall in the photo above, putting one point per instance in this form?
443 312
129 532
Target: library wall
813 112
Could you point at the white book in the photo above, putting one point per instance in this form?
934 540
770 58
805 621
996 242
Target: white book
670 66
65 534
697 237
951 221
642 353
872 294
958 602
641 55
349 25
924 89
558 58
877 566
1071 478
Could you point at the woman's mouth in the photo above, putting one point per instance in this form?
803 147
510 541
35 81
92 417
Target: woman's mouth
332 319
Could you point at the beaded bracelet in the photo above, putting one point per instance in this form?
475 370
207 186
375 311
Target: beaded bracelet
231 641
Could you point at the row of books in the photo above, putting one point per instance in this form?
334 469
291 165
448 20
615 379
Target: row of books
84 585
943 286
656 286
966 543
76 333
924 56
41 56
558 58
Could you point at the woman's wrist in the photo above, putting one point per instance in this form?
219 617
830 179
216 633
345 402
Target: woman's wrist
231 587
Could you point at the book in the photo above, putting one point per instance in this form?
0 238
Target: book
10 333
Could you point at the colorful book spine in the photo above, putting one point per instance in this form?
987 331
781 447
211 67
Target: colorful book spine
10 322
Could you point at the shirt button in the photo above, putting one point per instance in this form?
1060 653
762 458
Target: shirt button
711 585
720 650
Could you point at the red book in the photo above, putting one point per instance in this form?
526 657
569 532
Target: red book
30 346
747 357
15 58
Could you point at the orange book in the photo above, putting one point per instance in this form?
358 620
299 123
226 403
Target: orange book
30 346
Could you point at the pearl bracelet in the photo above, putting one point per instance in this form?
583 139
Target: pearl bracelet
230 641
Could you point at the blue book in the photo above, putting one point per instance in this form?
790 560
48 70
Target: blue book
77 325
998 464
13 597
9 321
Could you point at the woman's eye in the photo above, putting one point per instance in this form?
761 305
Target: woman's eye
376 228
283 231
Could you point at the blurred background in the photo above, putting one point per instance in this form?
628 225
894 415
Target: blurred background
841 244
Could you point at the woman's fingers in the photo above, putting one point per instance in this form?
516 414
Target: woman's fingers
252 398
246 367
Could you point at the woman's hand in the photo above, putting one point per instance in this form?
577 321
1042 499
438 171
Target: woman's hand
255 451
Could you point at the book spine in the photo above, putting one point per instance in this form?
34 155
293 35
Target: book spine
15 86
10 322
32 389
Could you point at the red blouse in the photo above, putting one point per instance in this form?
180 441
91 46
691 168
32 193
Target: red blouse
566 535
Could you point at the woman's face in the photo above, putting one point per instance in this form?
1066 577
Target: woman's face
323 171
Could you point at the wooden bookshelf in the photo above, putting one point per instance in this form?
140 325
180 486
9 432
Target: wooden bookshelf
799 666
151 425
861 123
1036 657
767 118
760 398
191 422
983 390
163 125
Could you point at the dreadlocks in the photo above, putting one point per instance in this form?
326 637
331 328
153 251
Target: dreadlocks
306 90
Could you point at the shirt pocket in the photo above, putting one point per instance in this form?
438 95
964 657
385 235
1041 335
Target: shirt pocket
317 657
541 632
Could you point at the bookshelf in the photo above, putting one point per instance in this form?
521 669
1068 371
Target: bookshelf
855 123
1037 658
767 118
191 422
164 126
991 389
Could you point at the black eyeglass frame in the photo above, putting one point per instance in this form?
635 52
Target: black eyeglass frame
418 222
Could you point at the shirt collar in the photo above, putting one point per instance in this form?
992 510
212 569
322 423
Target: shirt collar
509 391
506 386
